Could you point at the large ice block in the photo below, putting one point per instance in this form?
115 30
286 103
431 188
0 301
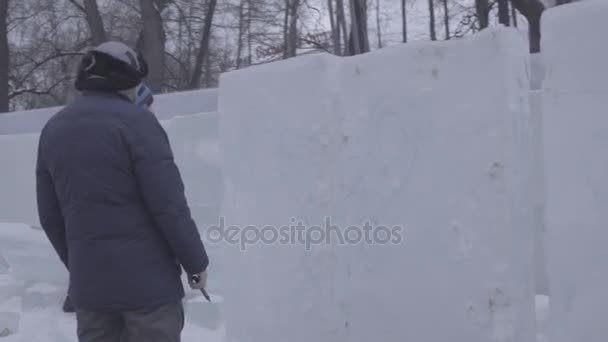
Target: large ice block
434 138
575 123
194 140
276 152
18 179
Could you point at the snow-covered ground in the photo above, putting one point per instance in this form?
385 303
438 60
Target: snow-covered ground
33 287
33 284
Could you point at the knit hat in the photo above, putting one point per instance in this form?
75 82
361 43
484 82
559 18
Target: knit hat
111 66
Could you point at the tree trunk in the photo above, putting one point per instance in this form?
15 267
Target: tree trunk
379 28
514 15
404 19
364 36
446 19
483 13
4 57
359 38
286 30
341 17
239 46
503 12
354 45
249 35
98 31
532 10
208 71
335 28
534 34
432 20
153 43
293 28
203 49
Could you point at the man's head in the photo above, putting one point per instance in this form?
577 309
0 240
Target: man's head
112 66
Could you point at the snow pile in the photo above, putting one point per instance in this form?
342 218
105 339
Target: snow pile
166 106
434 138
575 137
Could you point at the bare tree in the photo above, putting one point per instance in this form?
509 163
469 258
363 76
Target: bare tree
292 38
532 10
433 33
446 19
513 14
239 48
4 57
286 29
358 39
93 17
404 19
152 41
203 49
335 28
482 8
341 18
378 26
503 12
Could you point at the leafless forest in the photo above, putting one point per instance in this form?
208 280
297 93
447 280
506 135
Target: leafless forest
188 43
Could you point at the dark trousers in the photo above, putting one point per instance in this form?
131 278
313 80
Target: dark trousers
159 324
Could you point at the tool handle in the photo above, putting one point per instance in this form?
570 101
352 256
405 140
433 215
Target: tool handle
195 279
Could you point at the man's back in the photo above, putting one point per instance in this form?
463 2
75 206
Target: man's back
119 198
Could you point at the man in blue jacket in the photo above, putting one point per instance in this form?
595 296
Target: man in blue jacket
144 99
111 201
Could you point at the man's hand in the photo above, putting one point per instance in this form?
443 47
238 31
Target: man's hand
198 281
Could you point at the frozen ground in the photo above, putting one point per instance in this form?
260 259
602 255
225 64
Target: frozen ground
33 285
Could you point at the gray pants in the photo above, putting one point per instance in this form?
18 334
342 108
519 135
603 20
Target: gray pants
159 324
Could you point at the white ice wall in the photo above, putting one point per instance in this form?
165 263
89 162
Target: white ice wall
166 106
575 103
435 138
193 138
17 178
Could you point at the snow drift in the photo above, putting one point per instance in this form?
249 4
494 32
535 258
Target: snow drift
434 138
575 137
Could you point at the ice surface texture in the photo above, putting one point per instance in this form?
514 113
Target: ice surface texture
575 102
436 138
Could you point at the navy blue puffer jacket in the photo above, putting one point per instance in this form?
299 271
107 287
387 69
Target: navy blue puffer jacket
111 201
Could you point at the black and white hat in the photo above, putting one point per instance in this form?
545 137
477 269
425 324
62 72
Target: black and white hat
111 66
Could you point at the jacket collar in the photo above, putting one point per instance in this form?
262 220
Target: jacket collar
107 93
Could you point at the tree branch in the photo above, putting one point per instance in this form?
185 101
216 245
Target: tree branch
79 6
38 92
44 61
316 44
